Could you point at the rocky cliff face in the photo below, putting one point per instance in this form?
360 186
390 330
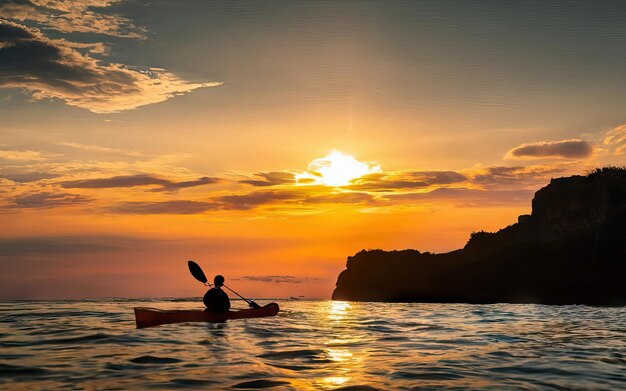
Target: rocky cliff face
571 249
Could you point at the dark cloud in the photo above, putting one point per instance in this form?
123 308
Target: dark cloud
135 181
254 199
272 178
56 68
185 184
26 177
405 180
568 149
116 181
48 200
278 279
164 207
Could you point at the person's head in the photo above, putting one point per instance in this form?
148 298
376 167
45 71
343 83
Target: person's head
218 281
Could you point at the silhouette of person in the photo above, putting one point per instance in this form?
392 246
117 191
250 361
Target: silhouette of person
216 300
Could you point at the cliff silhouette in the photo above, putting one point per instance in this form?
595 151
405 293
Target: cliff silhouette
570 250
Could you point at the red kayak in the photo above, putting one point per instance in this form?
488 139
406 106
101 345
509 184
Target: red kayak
148 317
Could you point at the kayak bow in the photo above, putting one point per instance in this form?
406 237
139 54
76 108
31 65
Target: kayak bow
148 317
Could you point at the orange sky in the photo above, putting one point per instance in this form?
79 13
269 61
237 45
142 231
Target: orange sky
268 144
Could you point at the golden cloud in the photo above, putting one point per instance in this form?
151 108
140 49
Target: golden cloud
616 138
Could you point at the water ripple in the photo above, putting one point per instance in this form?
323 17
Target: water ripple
314 345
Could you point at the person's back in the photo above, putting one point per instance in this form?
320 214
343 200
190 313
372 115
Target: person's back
216 300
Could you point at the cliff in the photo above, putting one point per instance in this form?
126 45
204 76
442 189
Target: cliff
570 249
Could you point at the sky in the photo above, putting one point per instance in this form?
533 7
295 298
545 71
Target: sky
269 141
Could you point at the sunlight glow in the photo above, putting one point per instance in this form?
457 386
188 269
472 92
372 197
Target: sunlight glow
336 169
338 310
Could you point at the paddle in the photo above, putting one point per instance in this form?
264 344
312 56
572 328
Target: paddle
251 303
198 274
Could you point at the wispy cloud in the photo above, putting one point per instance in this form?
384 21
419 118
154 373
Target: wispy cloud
22 155
97 148
137 180
272 178
45 200
565 149
75 16
491 177
616 138
27 177
405 180
56 68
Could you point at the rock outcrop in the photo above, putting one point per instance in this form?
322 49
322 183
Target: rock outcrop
570 250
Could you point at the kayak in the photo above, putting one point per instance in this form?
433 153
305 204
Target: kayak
148 317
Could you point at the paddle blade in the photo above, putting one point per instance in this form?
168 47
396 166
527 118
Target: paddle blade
196 272
254 305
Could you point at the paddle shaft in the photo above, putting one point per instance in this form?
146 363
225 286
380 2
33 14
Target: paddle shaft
250 302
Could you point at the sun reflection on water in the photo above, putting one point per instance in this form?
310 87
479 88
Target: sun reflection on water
347 362
338 310
335 381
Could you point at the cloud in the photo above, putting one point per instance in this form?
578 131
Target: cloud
238 202
405 180
496 176
254 199
97 148
277 279
22 155
164 207
339 198
566 149
56 68
116 181
135 181
273 178
48 200
468 197
616 138
27 177
173 186
76 16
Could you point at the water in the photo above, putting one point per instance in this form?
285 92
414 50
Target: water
314 345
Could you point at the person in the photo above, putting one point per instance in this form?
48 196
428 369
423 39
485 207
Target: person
216 300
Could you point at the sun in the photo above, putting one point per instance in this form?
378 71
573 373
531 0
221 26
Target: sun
336 169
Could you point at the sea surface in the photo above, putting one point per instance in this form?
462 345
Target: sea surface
314 345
